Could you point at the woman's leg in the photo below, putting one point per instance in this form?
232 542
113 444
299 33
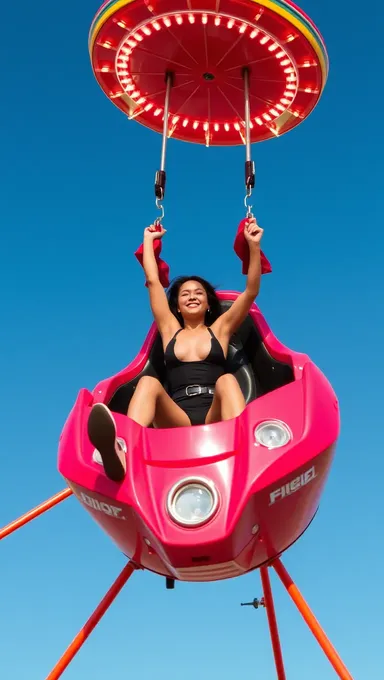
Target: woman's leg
149 403
228 401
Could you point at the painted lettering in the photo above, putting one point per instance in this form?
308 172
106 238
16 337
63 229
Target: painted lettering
106 508
292 486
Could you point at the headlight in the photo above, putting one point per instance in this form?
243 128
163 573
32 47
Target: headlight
272 434
192 501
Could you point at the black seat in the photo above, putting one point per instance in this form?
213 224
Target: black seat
248 359
154 366
238 364
268 373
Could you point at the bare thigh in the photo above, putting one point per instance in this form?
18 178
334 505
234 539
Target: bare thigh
168 413
214 413
228 399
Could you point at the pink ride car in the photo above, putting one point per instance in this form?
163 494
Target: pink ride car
214 501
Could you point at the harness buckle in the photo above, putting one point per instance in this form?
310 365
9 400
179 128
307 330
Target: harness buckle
194 387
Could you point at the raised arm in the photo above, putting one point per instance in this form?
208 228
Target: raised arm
165 320
229 322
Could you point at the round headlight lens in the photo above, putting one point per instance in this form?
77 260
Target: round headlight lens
272 434
192 503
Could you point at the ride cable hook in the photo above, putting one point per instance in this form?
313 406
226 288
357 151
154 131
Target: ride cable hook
248 207
249 164
160 178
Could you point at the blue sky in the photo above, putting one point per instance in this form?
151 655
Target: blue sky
76 194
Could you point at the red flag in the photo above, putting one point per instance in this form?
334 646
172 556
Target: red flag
162 266
241 249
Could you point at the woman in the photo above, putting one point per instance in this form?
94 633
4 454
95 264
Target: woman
195 336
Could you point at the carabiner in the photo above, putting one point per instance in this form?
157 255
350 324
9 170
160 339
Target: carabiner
160 207
248 207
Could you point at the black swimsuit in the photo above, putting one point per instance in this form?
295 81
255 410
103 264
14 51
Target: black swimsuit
184 374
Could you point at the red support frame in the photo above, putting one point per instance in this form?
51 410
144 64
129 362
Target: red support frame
130 567
35 512
273 629
311 621
92 622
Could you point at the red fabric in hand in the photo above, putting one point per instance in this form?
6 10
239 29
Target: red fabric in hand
163 267
241 249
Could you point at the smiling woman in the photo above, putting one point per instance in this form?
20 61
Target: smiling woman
195 335
191 292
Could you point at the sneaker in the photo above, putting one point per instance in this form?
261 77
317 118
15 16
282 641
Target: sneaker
102 434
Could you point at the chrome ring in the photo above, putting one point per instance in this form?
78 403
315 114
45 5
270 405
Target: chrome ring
179 486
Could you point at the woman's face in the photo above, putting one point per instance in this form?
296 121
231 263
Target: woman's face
192 299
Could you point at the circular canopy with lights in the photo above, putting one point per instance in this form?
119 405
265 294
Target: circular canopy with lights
206 46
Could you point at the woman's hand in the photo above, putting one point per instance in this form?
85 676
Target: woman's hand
252 232
152 233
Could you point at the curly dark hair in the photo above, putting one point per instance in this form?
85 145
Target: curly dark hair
213 301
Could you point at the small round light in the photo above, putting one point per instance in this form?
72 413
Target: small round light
96 457
192 501
272 434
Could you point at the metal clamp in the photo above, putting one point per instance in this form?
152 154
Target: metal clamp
160 181
256 603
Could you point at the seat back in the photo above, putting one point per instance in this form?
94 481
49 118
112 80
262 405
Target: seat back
154 366
238 364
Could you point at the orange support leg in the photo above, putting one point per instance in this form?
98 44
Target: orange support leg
92 622
39 510
270 607
311 621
